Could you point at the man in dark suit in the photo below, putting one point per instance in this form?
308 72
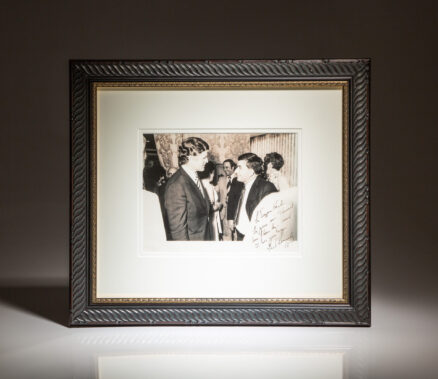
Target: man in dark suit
234 189
249 168
186 202
229 192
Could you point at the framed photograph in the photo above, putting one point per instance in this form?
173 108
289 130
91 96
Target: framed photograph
220 192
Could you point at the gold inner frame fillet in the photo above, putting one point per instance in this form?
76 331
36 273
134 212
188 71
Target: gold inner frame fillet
235 85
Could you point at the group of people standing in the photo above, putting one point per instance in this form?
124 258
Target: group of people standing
198 206
195 208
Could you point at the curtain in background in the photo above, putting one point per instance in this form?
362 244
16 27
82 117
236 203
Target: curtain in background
222 146
167 149
230 146
284 144
225 146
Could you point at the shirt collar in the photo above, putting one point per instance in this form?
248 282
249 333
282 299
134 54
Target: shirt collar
250 183
193 174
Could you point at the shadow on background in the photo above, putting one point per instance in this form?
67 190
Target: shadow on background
51 303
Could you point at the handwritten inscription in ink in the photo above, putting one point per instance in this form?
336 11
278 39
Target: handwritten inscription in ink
273 223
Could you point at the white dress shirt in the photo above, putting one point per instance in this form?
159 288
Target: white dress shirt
243 220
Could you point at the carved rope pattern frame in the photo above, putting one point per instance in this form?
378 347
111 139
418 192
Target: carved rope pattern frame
357 312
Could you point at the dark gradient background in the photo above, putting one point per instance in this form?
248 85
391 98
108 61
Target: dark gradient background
37 39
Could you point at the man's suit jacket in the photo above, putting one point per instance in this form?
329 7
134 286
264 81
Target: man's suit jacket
233 198
187 210
259 189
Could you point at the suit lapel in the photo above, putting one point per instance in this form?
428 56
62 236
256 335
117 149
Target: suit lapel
252 195
194 187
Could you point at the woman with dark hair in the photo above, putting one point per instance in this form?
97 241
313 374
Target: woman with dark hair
273 163
153 176
208 179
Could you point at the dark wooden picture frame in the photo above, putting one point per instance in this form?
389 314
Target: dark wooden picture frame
353 310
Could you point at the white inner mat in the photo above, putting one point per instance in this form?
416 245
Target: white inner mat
209 269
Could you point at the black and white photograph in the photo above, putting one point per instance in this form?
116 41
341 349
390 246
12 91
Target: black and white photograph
240 187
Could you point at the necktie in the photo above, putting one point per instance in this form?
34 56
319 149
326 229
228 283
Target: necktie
239 205
198 183
228 183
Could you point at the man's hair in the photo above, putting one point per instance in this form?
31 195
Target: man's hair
231 162
191 146
276 160
253 161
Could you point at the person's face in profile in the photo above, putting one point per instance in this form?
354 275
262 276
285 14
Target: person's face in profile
228 169
271 171
244 173
198 162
